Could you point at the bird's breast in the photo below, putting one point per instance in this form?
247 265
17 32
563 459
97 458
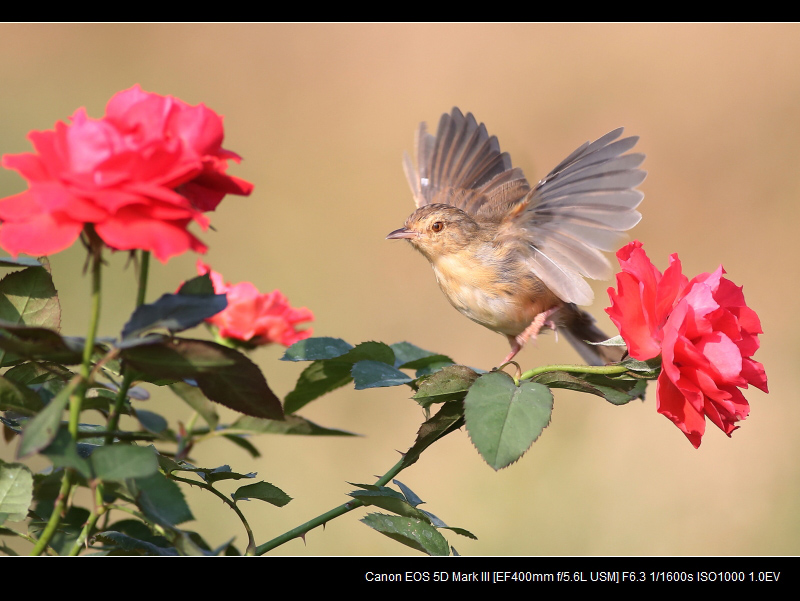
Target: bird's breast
492 293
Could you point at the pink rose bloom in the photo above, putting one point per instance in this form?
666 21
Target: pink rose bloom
256 318
703 330
139 176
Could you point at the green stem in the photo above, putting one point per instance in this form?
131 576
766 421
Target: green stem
321 520
251 543
116 411
145 267
27 537
86 366
75 401
98 509
576 369
55 517
127 379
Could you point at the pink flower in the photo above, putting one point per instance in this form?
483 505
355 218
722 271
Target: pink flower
703 330
253 317
139 176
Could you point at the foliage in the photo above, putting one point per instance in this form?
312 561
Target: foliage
141 471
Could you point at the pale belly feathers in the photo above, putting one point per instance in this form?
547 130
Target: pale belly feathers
499 306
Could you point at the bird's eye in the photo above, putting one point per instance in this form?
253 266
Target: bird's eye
437 226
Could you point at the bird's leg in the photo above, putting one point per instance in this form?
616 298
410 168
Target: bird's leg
515 348
531 332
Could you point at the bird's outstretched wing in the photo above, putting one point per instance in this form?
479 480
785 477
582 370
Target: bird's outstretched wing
580 208
462 166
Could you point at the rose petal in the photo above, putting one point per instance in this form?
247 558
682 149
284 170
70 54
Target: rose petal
41 234
124 173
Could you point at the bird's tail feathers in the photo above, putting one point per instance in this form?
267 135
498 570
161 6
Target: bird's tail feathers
578 327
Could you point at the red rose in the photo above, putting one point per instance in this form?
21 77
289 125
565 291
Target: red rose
253 317
140 175
703 330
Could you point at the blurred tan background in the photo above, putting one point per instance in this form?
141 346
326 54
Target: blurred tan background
322 114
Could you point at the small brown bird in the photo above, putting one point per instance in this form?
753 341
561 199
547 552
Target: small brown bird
512 257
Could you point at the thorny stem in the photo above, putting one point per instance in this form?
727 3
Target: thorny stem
27 537
98 509
321 520
251 543
75 401
55 518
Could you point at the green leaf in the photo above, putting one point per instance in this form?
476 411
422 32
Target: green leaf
395 503
130 545
210 475
15 397
46 488
317 379
314 349
449 384
263 491
152 422
428 365
63 452
409 494
405 353
16 491
461 532
68 530
415 533
28 297
616 391
42 428
243 443
503 419
19 262
293 424
119 462
139 530
222 473
241 387
369 351
373 374
613 341
409 356
173 312
651 367
195 398
223 374
325 375
368 486
38 343
190 543
448 419
160 499
200 285
33 373
169 465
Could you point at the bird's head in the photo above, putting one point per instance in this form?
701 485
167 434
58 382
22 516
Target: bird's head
437 230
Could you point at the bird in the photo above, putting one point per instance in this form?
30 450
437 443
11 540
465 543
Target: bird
514 257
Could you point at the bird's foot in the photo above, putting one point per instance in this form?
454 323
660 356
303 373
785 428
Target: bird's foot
542 320
532 331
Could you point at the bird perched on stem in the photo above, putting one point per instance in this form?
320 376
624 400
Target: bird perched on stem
512 257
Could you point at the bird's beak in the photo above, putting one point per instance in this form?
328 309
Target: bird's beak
402 233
